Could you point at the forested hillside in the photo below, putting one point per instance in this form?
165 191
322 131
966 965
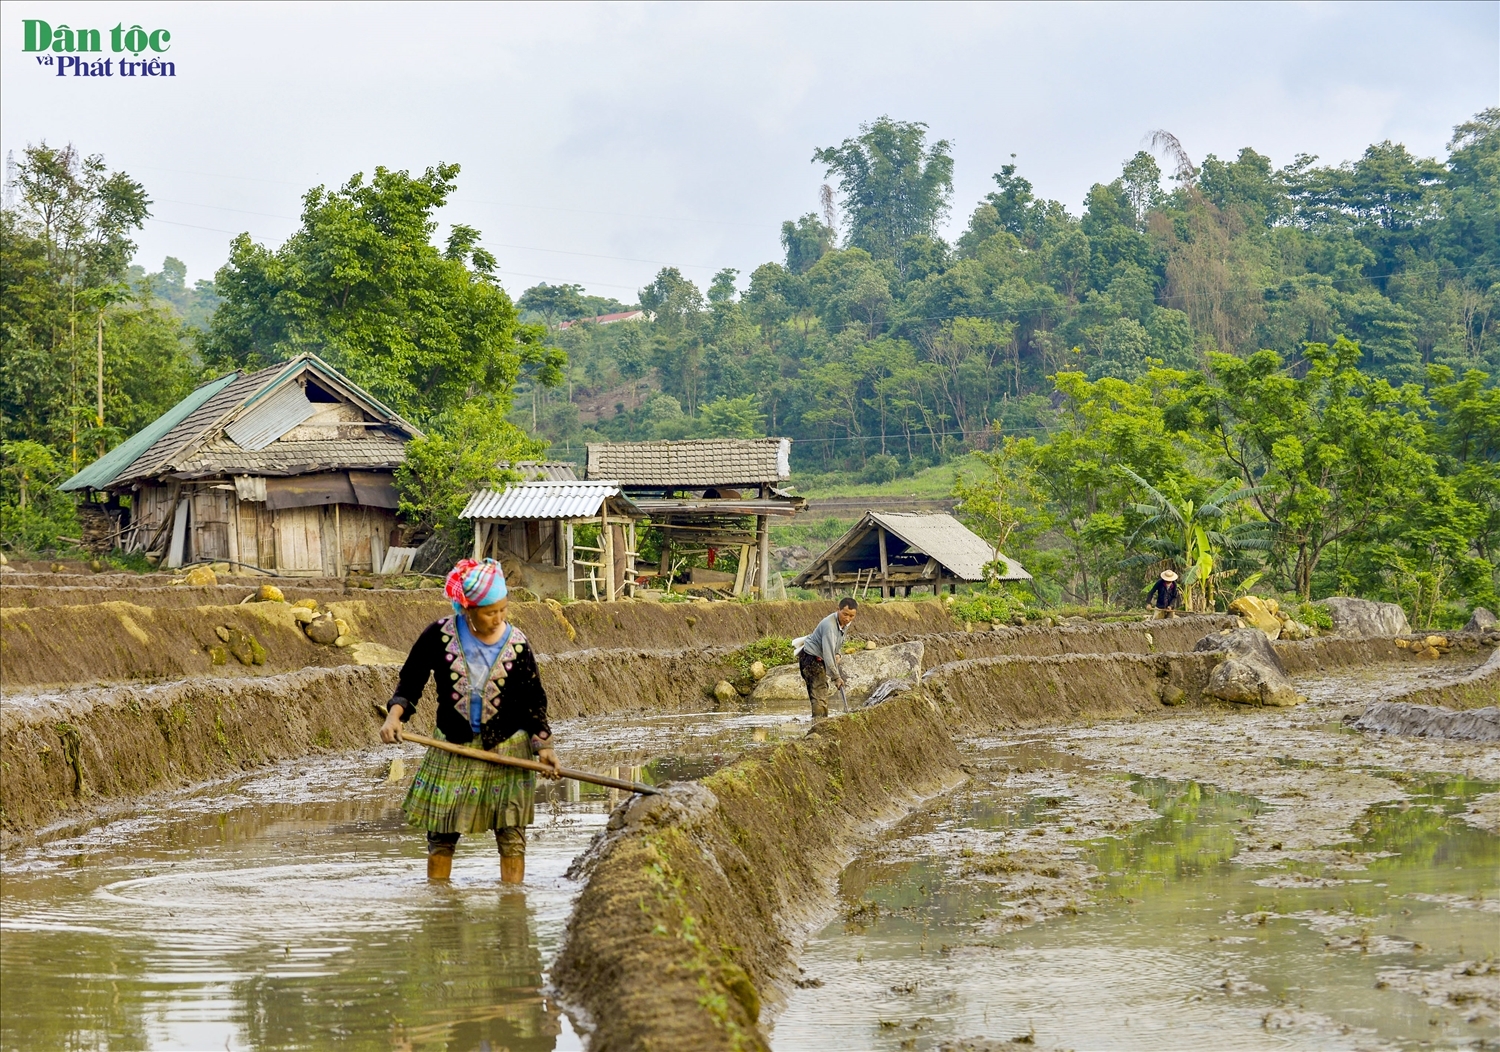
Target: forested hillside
1268 377
1322 337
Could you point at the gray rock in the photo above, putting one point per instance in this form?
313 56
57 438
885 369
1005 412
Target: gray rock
1430 721
1365 618
1481 620
1251 672
1249 644
863 670
322 630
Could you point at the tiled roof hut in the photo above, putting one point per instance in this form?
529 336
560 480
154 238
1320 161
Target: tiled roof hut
705 493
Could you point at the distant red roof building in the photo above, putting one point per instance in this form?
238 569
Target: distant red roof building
607 319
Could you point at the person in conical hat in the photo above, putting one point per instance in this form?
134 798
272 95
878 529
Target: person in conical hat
488 689
1165 595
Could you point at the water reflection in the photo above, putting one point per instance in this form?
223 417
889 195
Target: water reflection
1183 946
290 927
289 909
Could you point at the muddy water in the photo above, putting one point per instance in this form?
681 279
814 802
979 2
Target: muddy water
289 909
1239 880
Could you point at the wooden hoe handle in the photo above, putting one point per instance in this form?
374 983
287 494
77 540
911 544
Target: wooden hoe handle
530 765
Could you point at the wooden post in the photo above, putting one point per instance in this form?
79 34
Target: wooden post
630 554
234 531
741 573
478 540
885 570
763 567
177 546
608 544
338 544
568 557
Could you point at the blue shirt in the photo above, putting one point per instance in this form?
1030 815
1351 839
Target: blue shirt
480 657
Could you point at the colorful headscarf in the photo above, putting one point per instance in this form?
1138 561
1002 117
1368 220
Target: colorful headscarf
472 584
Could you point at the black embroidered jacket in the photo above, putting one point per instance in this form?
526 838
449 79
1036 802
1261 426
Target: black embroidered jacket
513 696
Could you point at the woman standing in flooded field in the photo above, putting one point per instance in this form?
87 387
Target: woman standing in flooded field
487 688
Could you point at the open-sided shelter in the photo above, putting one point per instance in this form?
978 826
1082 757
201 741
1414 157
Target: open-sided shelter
705 494
289 469
529 527
906 550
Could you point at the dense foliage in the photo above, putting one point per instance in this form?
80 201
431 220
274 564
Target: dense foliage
1316 342
89 356
1269 378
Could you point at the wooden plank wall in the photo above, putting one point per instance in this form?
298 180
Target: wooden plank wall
148 507
299 540
290 541
209 519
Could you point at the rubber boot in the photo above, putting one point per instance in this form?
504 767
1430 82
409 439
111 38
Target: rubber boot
512 870
439 866
819 709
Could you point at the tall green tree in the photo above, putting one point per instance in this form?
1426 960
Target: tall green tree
895 186
362 285
65 247
1330 453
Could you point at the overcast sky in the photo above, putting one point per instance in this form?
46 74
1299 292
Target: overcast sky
599 142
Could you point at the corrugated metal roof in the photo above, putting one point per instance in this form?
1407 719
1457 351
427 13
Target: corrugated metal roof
198 423
197 440
104 470
543 500
271 417
948 541
693 463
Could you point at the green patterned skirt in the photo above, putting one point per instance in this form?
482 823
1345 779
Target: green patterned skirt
454 794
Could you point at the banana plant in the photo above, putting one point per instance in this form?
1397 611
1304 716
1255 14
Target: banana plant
1186 536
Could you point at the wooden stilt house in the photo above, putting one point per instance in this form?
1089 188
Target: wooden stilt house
706 495
289 469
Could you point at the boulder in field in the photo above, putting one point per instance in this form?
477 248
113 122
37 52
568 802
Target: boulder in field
1258 613
323 630
1251 672
1481 620
864 670
1365 618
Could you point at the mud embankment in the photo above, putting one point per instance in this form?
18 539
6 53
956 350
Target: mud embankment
1462 708
693 897
121 642
158 590
120 738
693 904
1138 637
984 694
72 751
118 641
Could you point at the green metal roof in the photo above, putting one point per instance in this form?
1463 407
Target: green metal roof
109 467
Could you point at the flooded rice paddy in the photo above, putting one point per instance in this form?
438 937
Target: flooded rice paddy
1209 879
289 909
1240 880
